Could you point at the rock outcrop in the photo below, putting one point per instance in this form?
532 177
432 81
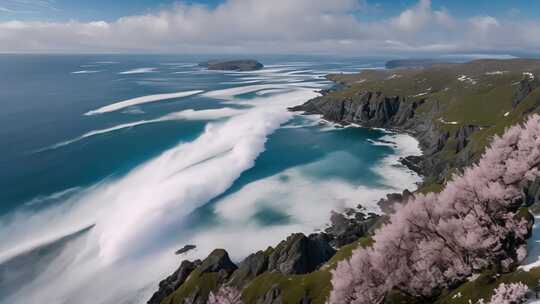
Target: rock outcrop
388 204
523 88
372 109
218 261
345 229
172 282
297 255
375 109
233 65
300 254
463 134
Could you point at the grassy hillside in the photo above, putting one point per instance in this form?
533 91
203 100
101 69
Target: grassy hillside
480 93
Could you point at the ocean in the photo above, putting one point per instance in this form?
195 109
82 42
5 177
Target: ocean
110 163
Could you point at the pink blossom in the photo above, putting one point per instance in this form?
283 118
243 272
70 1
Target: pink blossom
438 240
512 293
226 295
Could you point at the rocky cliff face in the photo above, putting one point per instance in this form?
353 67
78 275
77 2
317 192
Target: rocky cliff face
299 254
375 109
452 110
172 282
371 109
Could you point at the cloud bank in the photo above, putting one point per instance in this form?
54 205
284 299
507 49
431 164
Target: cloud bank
280 26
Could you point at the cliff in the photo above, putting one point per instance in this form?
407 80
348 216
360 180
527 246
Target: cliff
453 110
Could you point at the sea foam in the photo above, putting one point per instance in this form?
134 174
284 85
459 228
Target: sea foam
141 100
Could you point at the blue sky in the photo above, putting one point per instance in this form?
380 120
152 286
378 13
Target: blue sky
348 27
108 10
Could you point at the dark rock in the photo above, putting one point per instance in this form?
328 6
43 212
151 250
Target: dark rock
345 230
387 205
233 65
462 136
442 140
299 254
174 281
218 260
415 163
249 268
185 249
522 90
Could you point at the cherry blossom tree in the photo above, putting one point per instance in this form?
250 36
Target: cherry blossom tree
436 241
226 295
512 293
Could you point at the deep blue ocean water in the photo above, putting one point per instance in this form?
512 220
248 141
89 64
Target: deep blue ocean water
224 166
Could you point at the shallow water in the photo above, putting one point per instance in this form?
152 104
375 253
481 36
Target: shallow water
104 177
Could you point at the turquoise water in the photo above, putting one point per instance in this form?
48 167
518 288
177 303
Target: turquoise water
96 198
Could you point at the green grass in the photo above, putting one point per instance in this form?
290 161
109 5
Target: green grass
483 286
204 283
316 285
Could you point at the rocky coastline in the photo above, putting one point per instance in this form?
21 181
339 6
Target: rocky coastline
447 147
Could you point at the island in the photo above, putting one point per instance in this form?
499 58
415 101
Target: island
414 63
232 65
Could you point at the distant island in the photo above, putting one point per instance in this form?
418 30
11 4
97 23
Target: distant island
413 63
232 65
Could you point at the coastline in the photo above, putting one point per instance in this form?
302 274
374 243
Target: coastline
343 228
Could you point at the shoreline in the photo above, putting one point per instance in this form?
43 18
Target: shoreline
342 227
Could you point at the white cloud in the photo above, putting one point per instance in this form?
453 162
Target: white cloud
281 26
484 23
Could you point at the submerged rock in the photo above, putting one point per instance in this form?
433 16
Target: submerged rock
185 249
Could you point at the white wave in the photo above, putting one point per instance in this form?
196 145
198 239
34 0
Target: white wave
271 91
94 133
182 115
141 100
392 169
240 82
131 213
64 194
291 193
230 93
139 71
86 72
211 114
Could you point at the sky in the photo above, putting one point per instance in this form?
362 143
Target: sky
347 27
